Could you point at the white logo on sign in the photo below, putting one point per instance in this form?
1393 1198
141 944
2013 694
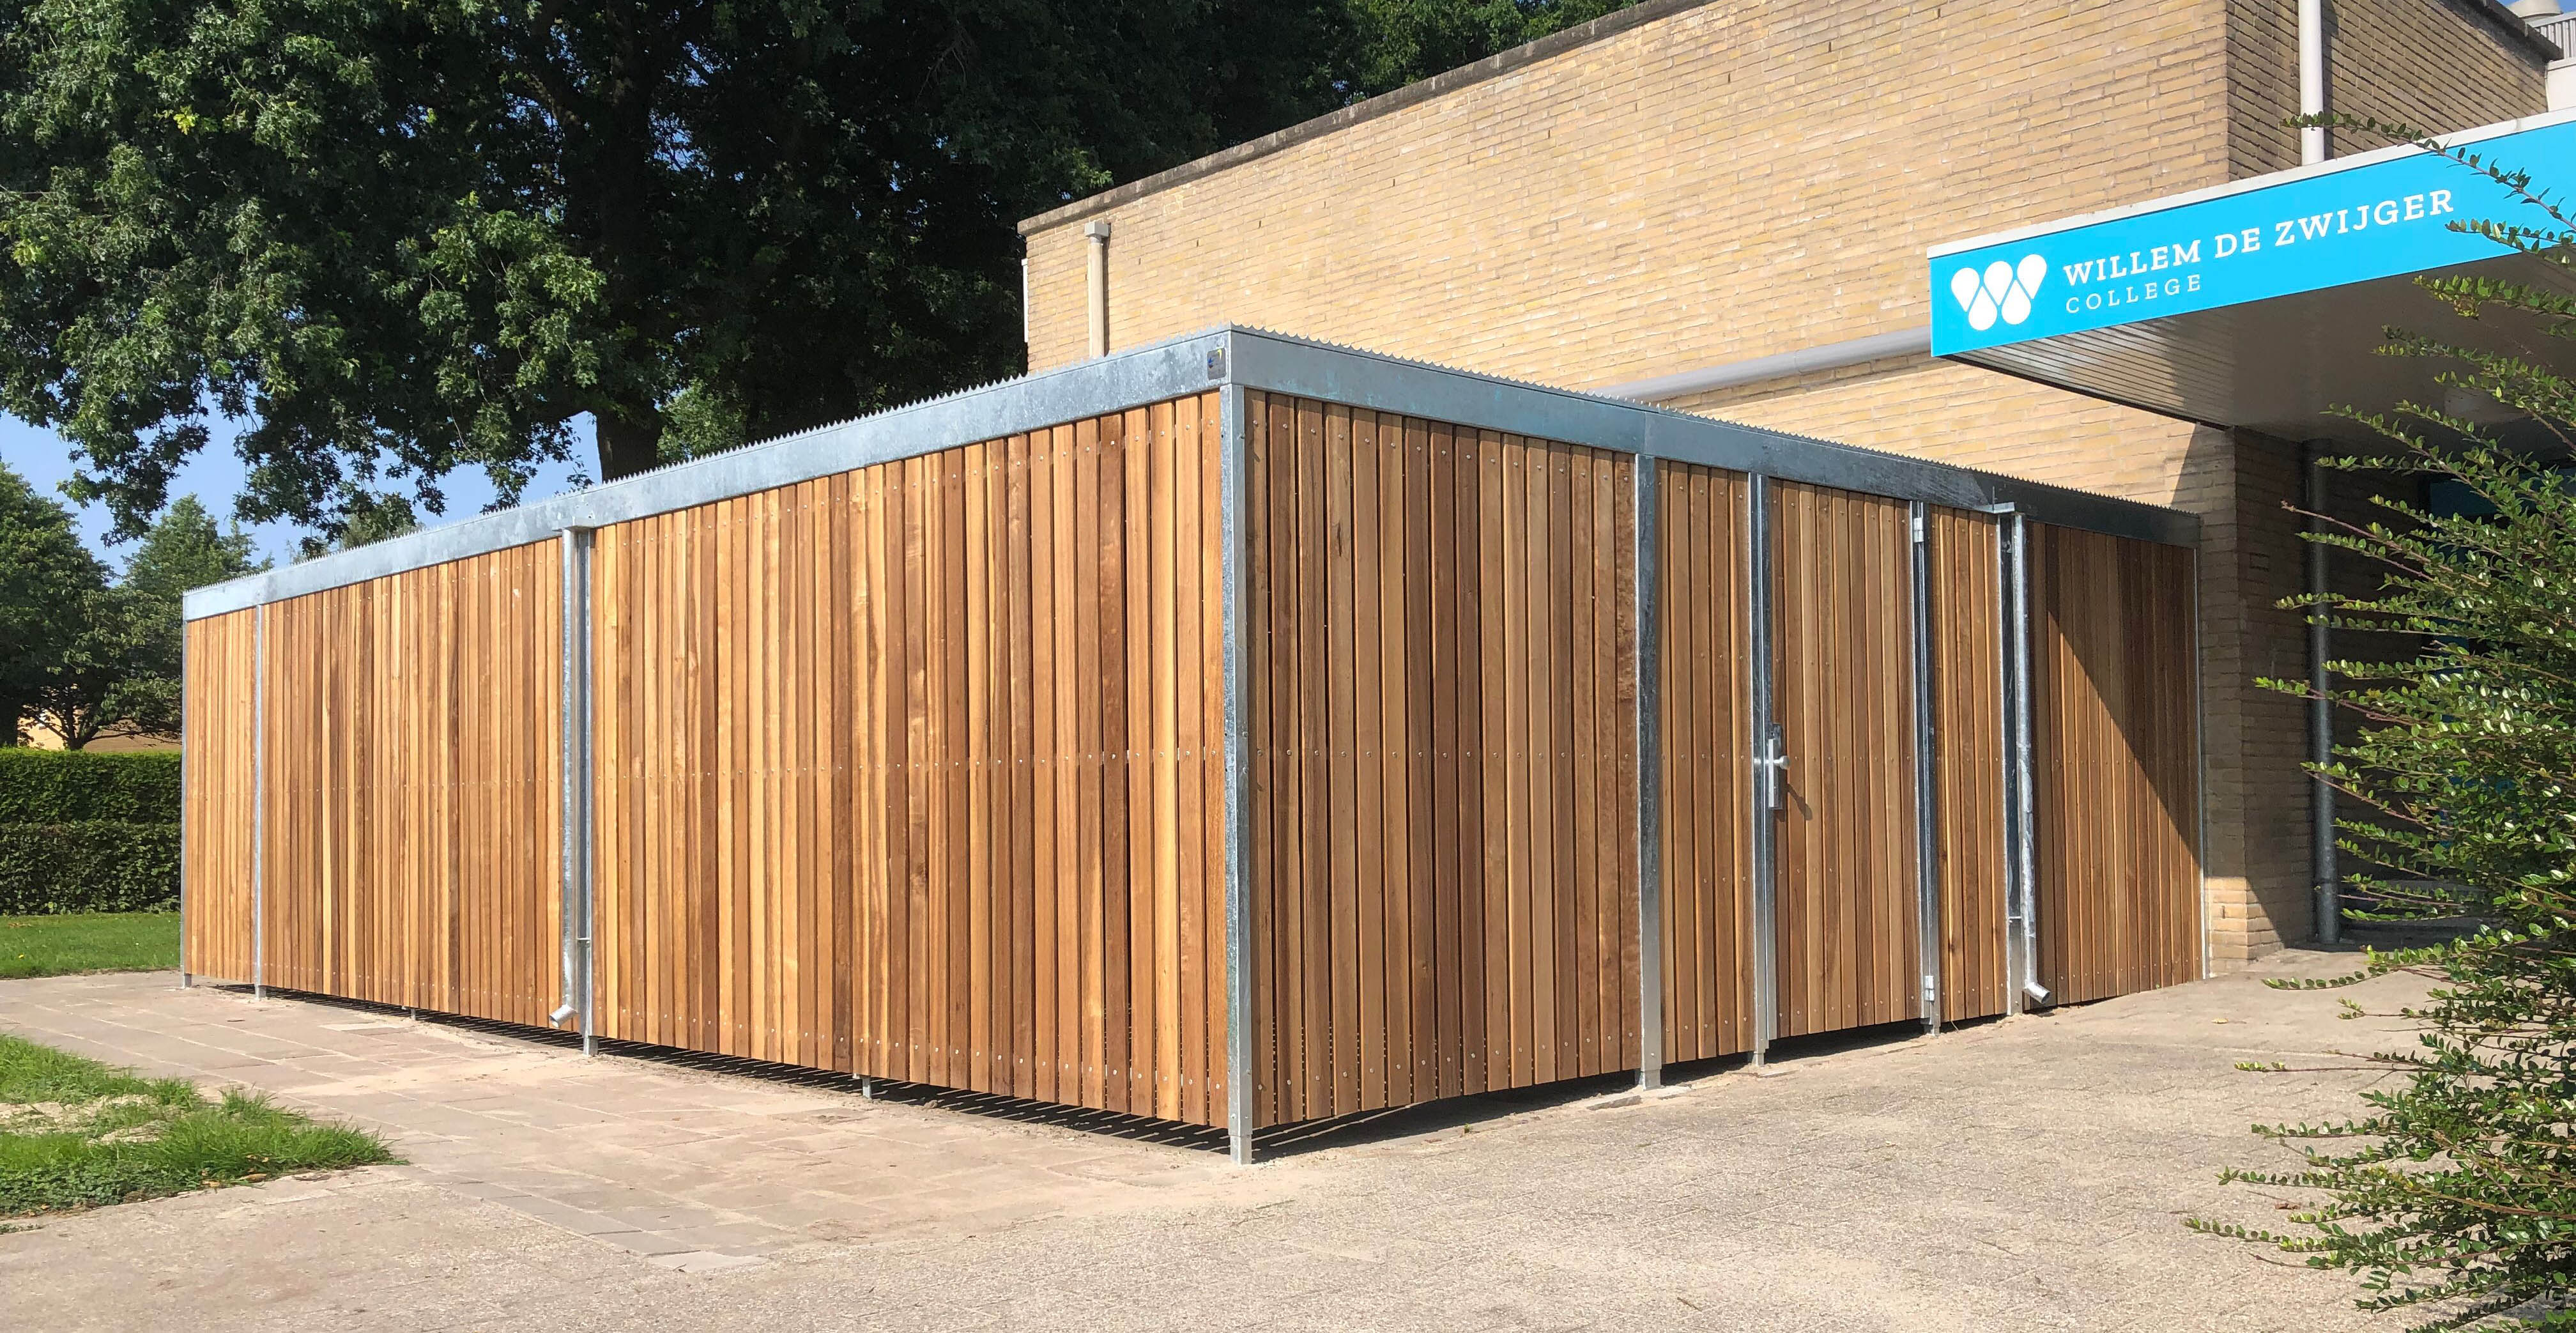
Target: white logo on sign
2001 290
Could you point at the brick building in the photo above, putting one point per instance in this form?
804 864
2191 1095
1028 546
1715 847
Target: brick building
1725 207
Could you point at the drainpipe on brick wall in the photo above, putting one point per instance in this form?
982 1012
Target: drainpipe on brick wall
2314 148
2321 795
1098 232
2312 79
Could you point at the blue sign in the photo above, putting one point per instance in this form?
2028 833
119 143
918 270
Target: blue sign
2377 220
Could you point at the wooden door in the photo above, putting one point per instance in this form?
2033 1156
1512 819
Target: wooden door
1845 934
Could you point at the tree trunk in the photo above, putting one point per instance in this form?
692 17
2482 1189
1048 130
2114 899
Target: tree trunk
627 446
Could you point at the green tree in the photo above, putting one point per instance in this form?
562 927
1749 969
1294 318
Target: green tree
183 550
1395 42
372 518
2454 1191
47 582
397 240
90 678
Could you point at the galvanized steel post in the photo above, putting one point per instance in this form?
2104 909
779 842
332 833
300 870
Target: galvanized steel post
185 752
1768 778
1232 465
574 808
1650 784
1927 797
2019 821
259 802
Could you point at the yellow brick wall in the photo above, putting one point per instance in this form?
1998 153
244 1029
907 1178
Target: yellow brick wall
2263 54
1731 181
2438 65
1742 179
2434 64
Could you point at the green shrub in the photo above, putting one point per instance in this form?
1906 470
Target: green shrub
2451 1190
76 786
95 865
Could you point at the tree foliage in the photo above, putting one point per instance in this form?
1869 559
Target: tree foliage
2454 1192
49 586
183 550
1394 42
396 239
82 655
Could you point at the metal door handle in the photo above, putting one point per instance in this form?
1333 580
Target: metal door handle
1775 768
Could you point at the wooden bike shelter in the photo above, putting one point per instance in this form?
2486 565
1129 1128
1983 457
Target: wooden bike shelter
1238 731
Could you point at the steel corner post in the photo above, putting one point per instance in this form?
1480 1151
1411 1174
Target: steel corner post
187 775
1232 466
1650 786
574 810
1768 778
1927 800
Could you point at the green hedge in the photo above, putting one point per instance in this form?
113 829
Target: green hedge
75 786
97 865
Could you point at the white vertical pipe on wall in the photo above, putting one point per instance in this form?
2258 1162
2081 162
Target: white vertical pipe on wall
2312 80
2314 148
1098 270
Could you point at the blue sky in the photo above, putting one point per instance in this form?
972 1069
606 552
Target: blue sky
215 477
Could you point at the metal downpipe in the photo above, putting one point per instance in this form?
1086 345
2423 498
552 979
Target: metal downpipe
1927 810
2322 873
2022 821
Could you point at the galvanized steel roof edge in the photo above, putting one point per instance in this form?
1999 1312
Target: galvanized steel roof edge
1193 363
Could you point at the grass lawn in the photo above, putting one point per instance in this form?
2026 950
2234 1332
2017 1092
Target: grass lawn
75 1133
53 946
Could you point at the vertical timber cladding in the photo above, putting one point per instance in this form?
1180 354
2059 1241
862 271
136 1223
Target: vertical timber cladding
412 778
215 754
1848 950
2117 760
1705 616
1966 578
915 771
1442 698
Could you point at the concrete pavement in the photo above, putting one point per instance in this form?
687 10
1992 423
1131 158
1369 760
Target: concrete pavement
2025 1174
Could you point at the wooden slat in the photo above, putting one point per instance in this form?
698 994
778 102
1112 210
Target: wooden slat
954 764
215 758
1707 761
1967 680
1439 617
1844 681
2116 763
393 872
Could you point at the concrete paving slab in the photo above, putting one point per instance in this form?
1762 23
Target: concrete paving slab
2027 1174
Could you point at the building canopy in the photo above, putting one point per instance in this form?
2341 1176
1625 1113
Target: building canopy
2264 303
